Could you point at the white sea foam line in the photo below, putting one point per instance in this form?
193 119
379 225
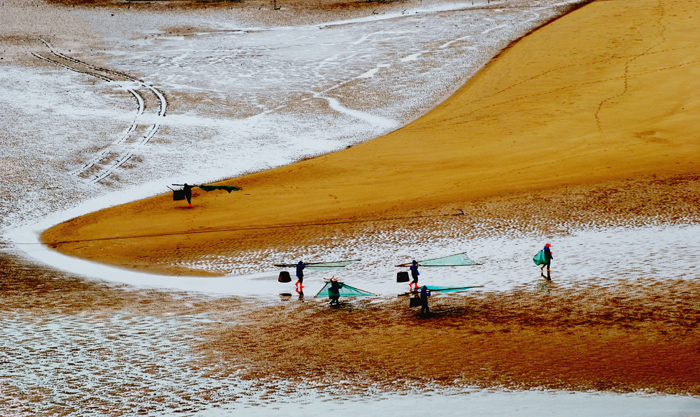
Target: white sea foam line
561 264
485 403
219 286
367 117
412 57
587 255
373 71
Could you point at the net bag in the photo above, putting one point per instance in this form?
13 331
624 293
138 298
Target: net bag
178 195
539 258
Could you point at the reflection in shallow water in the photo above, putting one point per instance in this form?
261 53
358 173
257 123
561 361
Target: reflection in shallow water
70 346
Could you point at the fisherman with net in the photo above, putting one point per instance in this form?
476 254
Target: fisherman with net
414 274
334 291
188 193
547 251
424 294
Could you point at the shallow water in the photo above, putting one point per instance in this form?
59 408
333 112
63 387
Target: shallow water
71 346
77 348
74 348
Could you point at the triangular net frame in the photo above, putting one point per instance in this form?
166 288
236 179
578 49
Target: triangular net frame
325 266
345 291
458 259
444 289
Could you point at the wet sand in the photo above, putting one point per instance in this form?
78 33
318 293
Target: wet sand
590 119
587 101
623 338
619 337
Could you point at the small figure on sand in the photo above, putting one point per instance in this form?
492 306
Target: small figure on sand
334 291
413 285
188 193
424 294
300 275
547 261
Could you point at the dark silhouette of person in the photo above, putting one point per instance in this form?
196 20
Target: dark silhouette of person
300 274
424 294
188 193
334 291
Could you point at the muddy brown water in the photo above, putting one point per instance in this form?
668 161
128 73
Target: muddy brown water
72 343
69 345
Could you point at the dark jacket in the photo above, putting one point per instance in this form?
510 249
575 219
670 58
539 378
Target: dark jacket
424 294
334 290
547 254
300 269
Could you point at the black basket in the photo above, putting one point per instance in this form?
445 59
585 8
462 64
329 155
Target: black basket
178 195
284 277
415 302
402 276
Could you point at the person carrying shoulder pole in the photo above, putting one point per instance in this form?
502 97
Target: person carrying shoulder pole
188 193
300 275
334 291
413 286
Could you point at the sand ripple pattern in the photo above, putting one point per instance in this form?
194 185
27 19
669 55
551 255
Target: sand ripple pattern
61 365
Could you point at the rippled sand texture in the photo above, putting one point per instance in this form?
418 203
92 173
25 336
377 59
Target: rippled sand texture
138 97
624 337
570 105
72 347
589 125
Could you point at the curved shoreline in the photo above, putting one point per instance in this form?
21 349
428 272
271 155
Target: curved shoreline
519 96
606 325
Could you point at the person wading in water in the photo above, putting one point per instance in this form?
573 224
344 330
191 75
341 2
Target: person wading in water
413 286
300 275
547 261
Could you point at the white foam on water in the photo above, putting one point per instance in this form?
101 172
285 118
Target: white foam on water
271 96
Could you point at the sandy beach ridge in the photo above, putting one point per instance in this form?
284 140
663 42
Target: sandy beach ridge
603 94
590 120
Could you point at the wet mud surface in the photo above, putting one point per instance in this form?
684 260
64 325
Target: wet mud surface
624 337
71 345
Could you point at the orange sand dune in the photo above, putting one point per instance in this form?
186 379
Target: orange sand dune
608 92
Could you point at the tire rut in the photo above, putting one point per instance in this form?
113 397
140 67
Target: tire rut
150 103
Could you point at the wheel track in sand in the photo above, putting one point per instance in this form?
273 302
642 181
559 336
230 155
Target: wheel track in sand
151 104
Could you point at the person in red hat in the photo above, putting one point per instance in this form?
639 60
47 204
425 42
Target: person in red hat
547 261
